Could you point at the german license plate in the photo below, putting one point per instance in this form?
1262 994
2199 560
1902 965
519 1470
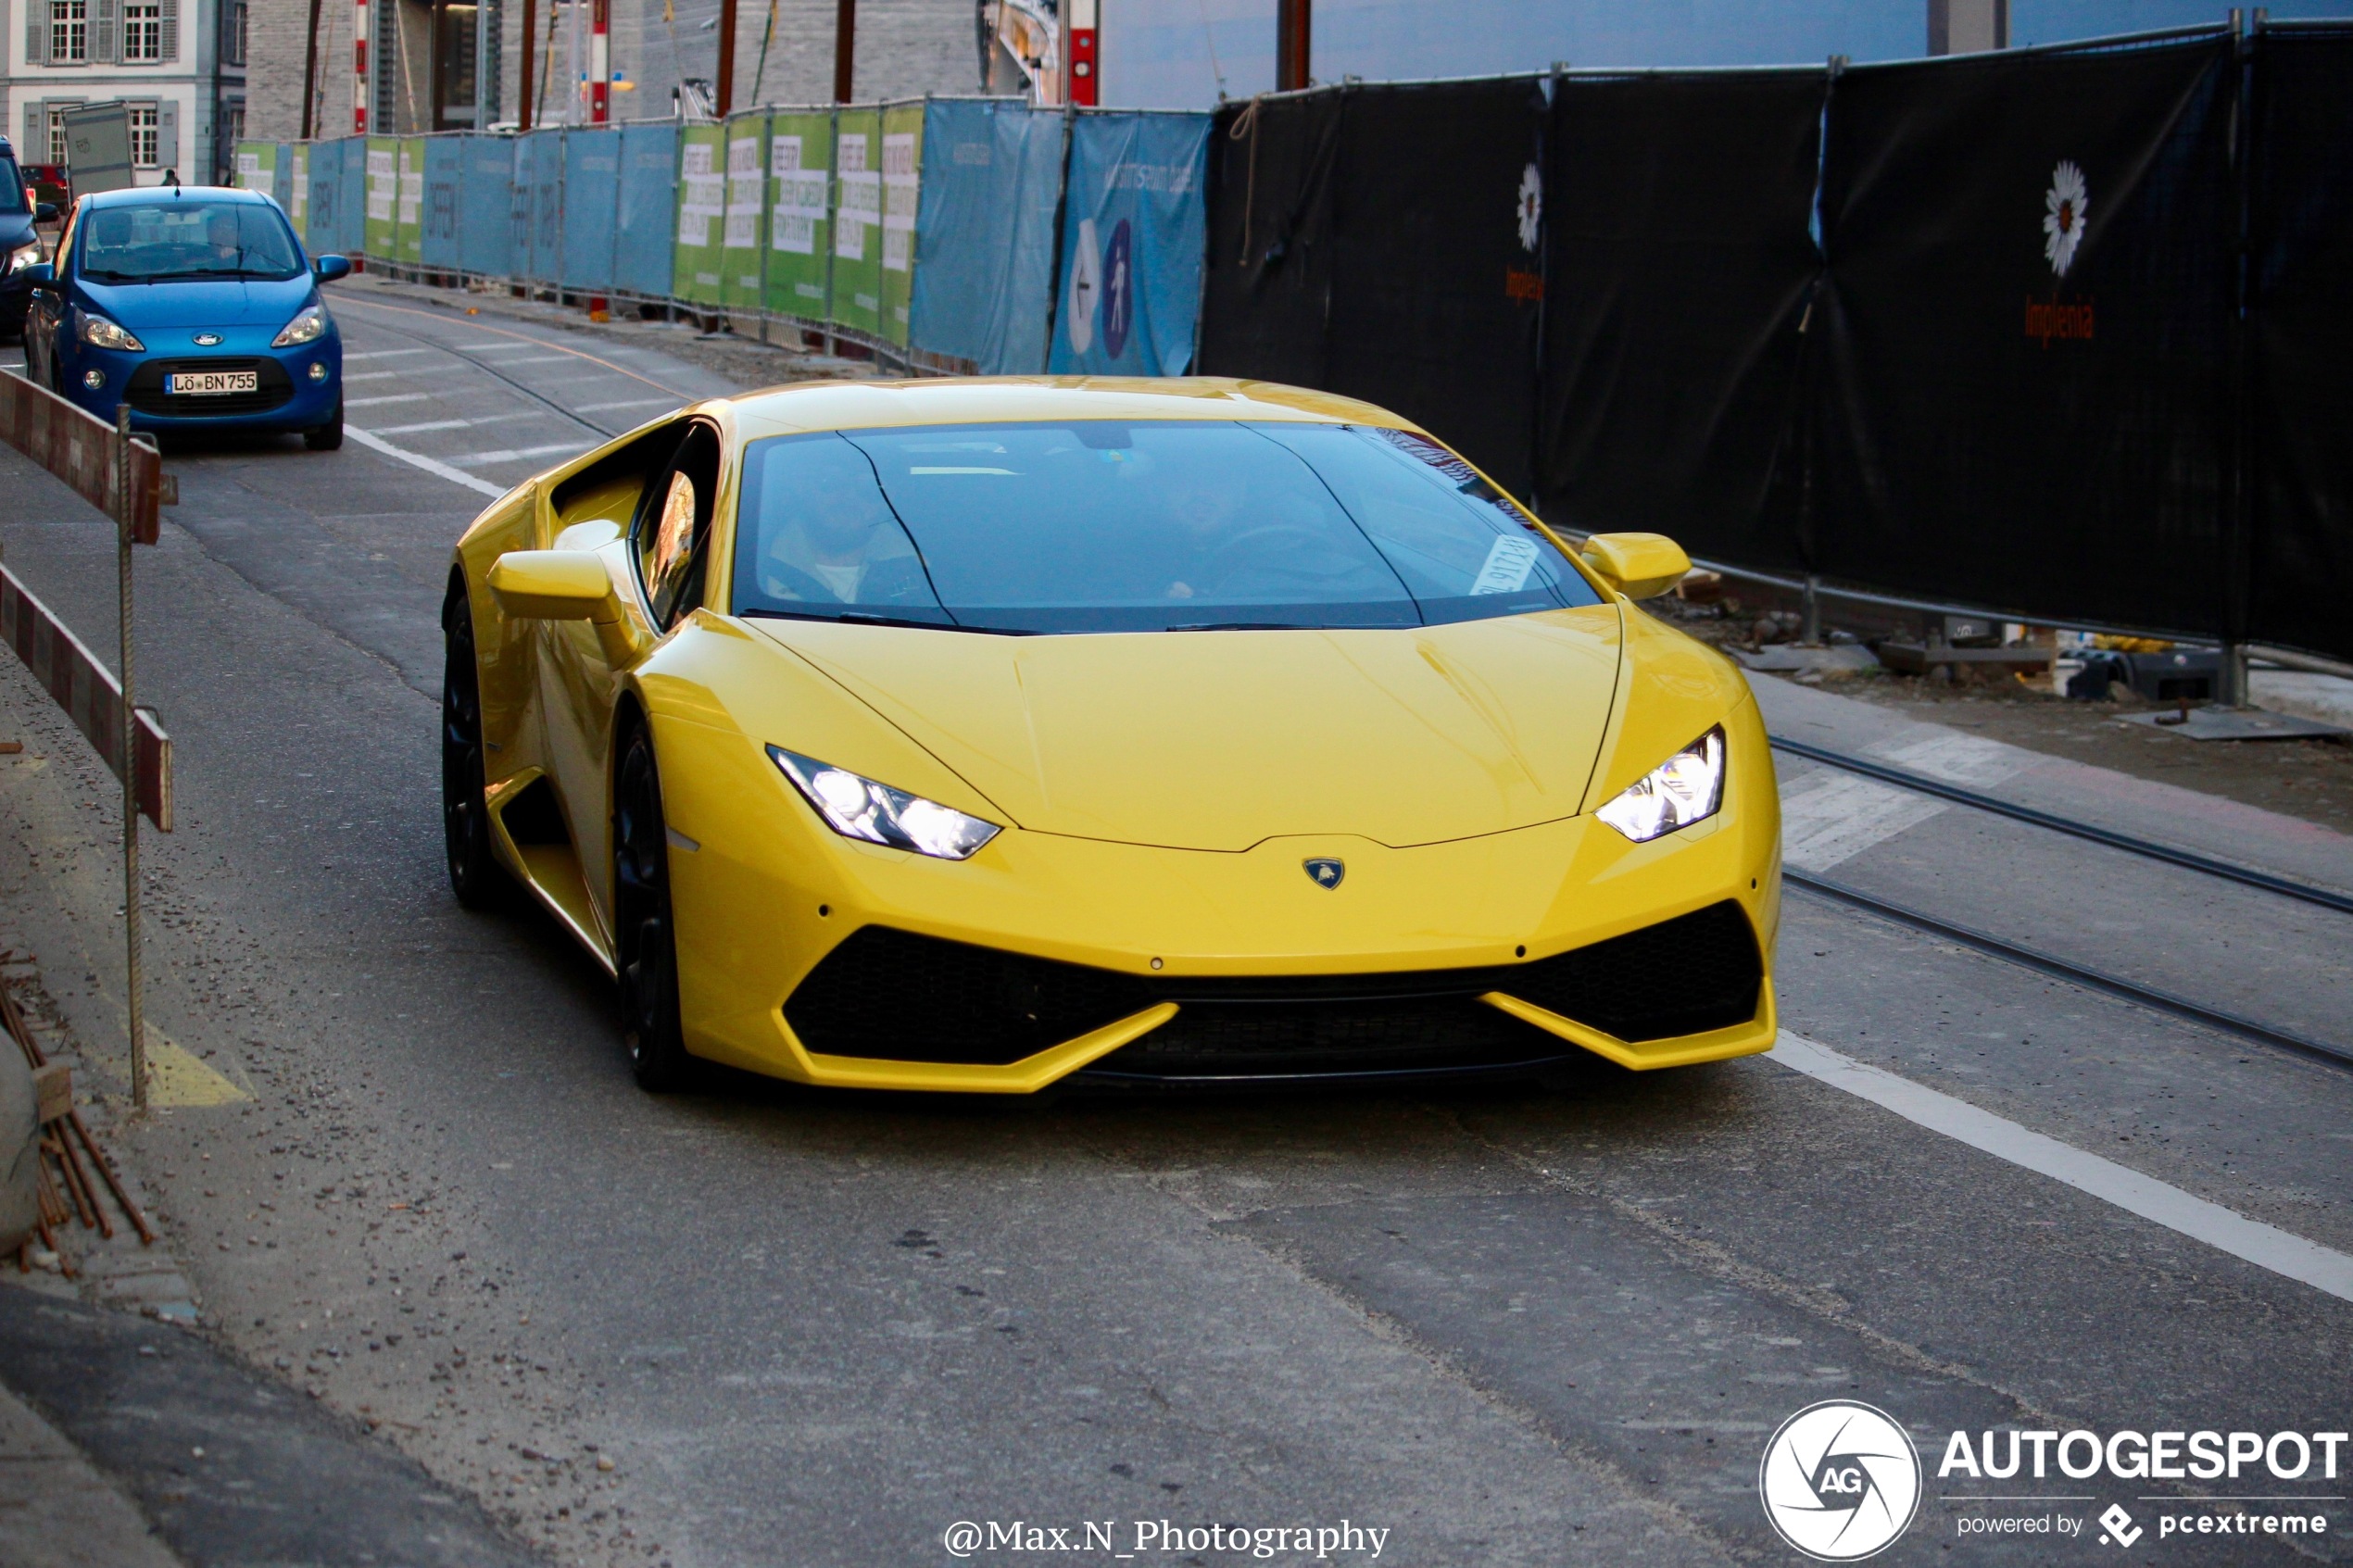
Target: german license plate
211 383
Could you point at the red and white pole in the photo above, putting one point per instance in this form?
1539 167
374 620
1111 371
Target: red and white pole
599 62
360 68
1085 57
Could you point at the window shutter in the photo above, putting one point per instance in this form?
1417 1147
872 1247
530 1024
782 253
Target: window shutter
36 32
35 148
168 47
168 134
103 16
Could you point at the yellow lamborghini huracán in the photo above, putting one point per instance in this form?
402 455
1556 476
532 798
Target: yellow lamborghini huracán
974 734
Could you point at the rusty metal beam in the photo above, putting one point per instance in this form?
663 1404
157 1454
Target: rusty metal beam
86 690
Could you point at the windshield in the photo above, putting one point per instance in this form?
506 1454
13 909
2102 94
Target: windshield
12 198
1183 525
150 242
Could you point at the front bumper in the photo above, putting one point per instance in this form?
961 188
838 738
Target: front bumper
1166 963
288 399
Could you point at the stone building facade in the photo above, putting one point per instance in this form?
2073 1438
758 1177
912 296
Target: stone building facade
178 64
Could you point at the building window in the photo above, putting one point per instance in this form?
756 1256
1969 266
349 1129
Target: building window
234 45
68 31
58 152
143 151
142 30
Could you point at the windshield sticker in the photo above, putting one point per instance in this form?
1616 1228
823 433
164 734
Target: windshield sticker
1508 563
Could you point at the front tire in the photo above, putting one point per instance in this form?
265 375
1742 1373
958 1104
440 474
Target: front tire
648 955
475 875
327 437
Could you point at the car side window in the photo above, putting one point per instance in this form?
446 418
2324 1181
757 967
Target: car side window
673 533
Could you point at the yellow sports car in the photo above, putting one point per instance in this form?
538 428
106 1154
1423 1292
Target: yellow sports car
976 734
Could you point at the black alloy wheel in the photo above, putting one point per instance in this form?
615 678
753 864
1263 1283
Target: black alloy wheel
475 875
648 955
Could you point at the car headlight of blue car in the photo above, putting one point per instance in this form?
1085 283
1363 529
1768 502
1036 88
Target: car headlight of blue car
24 256
309 324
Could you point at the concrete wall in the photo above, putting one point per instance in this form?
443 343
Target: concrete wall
905 48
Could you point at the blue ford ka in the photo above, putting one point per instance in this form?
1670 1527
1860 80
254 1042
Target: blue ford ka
198 308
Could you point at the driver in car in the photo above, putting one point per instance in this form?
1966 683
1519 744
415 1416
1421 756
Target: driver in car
842 544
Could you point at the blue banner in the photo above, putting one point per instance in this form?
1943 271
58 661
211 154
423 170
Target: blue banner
985 232
445 170
323 227
351 201
1133 229
485 224
521 204
642 237
548 187
592 198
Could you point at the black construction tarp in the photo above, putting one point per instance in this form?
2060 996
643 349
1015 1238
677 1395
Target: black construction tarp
1386 248
1681 260
2023 391
1266 284
2301 391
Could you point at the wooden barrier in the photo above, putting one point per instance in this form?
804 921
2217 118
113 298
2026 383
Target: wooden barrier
86 690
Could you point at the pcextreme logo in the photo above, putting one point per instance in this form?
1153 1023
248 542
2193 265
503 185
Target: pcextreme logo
1840 1480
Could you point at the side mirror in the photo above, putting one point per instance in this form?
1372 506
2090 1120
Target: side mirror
44 212
331 267
40 272
564 585
1640 566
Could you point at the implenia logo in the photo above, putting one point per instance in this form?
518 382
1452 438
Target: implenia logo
1840 1480
2116 1527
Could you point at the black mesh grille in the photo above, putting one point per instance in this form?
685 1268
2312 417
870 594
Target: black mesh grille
1273 1040
903 997
1682 976
898 997
145 391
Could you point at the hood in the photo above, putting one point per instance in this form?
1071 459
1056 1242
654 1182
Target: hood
201 302
1217 740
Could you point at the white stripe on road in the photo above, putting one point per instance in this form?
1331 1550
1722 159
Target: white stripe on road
1828 817
476 459
541 359
629 403
418 459
2266 1247
384 353
502 345
377 375
463 424
378 402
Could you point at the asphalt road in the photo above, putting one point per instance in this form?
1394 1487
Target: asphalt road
1502 1328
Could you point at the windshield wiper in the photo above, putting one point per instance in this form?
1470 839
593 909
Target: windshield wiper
858 618
1246 626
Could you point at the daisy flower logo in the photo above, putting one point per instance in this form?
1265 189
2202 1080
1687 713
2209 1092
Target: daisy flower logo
1532 206
2065 207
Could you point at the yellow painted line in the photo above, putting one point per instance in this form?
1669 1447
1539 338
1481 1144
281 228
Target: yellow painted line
177 1076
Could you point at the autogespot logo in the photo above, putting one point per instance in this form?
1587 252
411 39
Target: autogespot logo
1840 1480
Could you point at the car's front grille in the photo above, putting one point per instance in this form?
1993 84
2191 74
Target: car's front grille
893 995
145 391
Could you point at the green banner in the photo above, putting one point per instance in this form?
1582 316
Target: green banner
902 161
384 186
857 270
256 169
410 217
702 213
747 204
800 157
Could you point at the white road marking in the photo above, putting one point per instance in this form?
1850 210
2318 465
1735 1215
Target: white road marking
396 397
2266 1247
377 375
1828 817
1956 759
628 403
542 359
418 459
463 424
476 459
385 353
501 346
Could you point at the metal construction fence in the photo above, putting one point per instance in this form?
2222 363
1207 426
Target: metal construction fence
2059 332
817 220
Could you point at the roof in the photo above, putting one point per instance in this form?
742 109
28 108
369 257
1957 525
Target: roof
152 193
836 404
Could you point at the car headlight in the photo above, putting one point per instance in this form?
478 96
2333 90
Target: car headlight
858 808
99 332
1686 789
305 328
24 256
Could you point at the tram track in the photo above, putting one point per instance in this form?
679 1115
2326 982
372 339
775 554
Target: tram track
2156 999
